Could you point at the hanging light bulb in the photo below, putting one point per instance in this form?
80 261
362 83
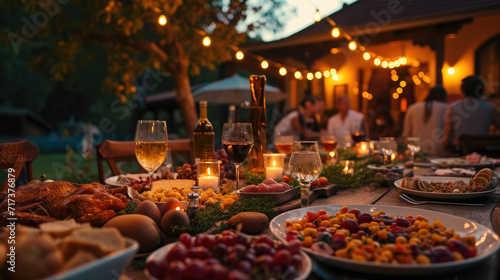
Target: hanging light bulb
395 95
415 63
317 16
335 32
206 41
264 64
162 20
391 64
353 45
402 83
326 73
370 96
318 75
365 94
451 70
404 60
385 64
333 71
394 77
335 77
377 61
239 55
310 76
282 71
421 74
397 63
394 72
297 75
366 56
399 90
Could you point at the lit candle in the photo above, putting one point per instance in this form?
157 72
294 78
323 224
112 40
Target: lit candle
364 149
274 172
207 181
348 167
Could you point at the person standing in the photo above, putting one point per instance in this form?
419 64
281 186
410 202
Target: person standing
425 120
341 123
470 115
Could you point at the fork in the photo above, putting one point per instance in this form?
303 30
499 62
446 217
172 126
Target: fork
418 202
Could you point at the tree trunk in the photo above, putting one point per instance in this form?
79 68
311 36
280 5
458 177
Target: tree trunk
185 98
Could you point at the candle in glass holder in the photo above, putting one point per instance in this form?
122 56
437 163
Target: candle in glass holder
274 164
364 149
208 175
347 167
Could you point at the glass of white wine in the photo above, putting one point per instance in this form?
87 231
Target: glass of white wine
413 144
305 167
151 145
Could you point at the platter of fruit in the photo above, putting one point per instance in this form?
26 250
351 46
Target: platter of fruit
387 239
278 192
228 255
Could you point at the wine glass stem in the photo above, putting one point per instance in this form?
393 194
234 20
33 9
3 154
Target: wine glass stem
237 176
150 180
304 195
412 156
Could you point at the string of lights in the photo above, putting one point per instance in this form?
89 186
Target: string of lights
336 32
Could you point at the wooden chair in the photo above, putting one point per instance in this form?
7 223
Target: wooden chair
18 155
115 151
488 145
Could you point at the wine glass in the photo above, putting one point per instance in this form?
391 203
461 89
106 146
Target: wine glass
237 139
328 143
305 167
151 145
388 146
283 143
413 144
357 133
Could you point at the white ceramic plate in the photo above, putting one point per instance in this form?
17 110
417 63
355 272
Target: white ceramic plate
444 196
397 168
113 181
450 162
487 242
105 268
161 253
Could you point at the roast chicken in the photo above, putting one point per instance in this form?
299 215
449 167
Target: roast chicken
44 202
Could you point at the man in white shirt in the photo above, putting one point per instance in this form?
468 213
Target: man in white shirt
341 124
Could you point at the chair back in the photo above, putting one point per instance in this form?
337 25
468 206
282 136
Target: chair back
17 155
488 145
115 151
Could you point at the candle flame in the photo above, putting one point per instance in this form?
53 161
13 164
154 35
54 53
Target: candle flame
178 208
393 156
332 154
363 146
208 171
274 163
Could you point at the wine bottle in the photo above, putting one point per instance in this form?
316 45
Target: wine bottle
257 117
203 136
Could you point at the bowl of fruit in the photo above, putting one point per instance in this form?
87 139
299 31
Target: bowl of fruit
278 192
228 255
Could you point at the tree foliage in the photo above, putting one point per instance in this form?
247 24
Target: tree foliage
71 34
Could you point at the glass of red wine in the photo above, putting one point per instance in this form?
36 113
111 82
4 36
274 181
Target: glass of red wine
237 139
357 133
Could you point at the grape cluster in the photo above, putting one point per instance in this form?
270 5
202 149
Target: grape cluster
228 255
388 177
230 168
189 171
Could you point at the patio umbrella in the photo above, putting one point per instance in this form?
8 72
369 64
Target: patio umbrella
234 90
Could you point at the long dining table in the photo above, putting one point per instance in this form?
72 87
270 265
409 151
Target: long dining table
487 215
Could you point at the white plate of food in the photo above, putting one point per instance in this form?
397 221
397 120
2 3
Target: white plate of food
380 168
448 184
487 242
125 179
462 162
107 267
160 255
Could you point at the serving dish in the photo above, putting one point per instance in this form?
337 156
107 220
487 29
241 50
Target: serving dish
277 197
487 242
460 162
113 180
446 196
380 168
162 252
108 267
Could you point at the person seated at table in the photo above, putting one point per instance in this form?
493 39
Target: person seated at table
382 125
296 122
341 123
470 115
425 120
320 116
